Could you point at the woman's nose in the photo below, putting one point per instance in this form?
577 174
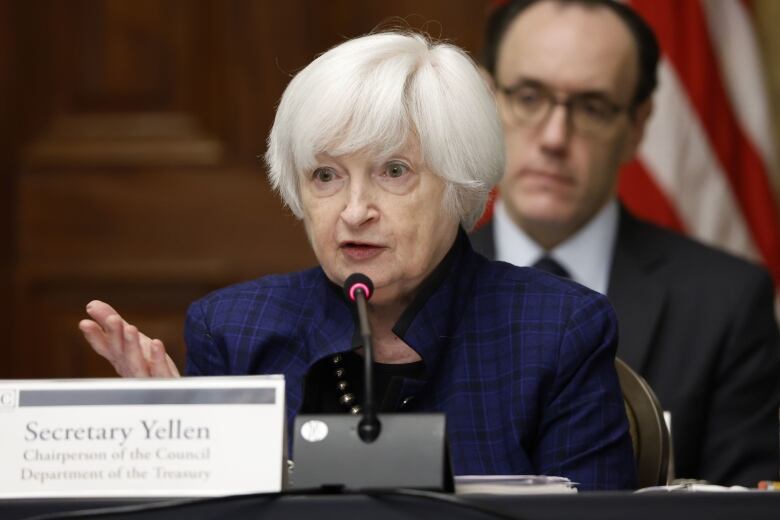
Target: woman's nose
360 204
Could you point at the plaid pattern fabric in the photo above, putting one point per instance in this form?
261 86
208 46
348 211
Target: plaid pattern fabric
521 362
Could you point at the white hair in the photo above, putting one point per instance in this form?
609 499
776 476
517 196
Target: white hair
371 93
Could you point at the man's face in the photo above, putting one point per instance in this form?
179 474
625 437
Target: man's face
559 171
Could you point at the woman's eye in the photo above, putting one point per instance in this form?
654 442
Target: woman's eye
324 174
396 169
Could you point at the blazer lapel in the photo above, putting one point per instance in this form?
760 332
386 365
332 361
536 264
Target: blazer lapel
635 292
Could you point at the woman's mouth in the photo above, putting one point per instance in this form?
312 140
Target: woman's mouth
360 250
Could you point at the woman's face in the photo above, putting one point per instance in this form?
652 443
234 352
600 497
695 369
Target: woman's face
383 218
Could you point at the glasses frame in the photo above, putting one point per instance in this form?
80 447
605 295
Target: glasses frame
577 116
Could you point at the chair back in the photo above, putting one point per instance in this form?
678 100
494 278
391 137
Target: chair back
649 434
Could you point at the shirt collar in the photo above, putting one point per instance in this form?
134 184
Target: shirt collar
587 254
513 245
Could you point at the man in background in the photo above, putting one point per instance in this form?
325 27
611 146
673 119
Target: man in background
573 81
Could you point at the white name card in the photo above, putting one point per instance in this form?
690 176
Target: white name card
199 436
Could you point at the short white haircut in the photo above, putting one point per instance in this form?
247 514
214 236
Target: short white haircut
374 93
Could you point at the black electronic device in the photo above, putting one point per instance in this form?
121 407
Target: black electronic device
410 452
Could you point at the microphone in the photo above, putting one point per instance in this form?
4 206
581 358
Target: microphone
359 288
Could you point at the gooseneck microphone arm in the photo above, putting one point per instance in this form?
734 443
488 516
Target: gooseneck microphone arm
369 426
359 288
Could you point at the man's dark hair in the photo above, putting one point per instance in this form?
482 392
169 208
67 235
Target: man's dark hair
644 37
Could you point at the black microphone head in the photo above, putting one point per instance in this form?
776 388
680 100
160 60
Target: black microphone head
357 281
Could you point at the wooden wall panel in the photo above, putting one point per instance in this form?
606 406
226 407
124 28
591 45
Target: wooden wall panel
155 224
459 21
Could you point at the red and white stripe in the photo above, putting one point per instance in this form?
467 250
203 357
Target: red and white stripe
704 164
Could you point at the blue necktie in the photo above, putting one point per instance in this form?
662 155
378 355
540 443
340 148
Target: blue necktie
547 263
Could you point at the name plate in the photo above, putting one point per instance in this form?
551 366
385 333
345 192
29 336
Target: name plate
198 436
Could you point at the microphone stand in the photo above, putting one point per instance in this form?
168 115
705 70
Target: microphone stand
369 426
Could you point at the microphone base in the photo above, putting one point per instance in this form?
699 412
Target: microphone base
410 452
368 429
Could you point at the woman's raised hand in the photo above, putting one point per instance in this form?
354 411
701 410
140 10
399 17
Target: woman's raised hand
132 353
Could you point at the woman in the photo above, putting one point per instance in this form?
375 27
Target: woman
386 147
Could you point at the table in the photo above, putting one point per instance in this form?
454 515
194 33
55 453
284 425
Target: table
392 505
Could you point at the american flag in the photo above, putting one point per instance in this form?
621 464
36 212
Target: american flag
705 163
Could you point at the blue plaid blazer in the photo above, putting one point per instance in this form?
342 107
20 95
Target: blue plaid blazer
521 362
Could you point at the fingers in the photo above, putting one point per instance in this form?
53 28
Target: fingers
133 360
131 353
123 343
160 364
114 339
113 326
100 311
95 336
104 331
118 343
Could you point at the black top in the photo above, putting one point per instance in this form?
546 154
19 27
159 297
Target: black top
321 393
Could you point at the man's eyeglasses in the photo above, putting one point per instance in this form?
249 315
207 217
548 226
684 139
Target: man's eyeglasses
531 103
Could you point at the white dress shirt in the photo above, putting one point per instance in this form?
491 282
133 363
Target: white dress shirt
586 255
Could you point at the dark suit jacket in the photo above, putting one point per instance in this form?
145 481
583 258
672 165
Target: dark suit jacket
698 325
